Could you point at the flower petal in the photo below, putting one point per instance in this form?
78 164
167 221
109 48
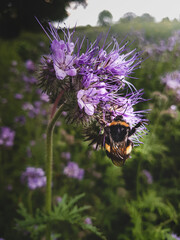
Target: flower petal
60 74
80 93
89 109
71 72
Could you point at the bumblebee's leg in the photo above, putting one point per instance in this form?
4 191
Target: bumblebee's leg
133 130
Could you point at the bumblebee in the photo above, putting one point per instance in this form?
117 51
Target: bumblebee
118 146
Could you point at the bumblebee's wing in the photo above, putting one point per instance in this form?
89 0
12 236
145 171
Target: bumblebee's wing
116 151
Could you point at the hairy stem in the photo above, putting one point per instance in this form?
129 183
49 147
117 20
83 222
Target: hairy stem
56 103
49 164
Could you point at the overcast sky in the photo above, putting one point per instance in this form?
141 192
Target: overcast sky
159 9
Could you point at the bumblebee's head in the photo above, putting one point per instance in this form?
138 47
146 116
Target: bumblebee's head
118 118
118 132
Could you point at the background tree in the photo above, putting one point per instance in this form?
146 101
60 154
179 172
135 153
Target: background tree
166 19
19 14
128 17
105 18
146 17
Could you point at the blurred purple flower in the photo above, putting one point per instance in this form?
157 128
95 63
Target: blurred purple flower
148 176
34 177
18 96
20 119
72 170
66 155
44 97
88 220
64 113
33 109
4 100
30 66
29 152
14 63
175 236
172 80
58 199
32 142
44 136
41 44
7 136
9 187
173 107
30 79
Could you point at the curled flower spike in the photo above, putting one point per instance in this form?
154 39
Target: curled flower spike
94 89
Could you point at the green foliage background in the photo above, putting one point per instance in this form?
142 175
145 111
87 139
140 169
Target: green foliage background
122 204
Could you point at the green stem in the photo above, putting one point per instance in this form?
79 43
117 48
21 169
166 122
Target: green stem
137 178
30 202
49 164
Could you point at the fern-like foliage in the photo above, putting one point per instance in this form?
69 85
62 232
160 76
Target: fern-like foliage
151 216
65 211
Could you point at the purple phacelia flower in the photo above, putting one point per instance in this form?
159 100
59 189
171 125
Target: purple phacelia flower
92 85
175 236
31 79
9 187
44 97
58 199
148 176
88 221
34 177
89 99
66 155
172 80
30 66
33 109
28 152
18 96
14 63
7 136
62 59
20 119
72 170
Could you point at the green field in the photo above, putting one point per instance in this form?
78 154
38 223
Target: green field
138 201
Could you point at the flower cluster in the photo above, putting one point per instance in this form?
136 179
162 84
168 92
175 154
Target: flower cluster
34 177
72 170
7 136
92 84
34 109
172 82
164 46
